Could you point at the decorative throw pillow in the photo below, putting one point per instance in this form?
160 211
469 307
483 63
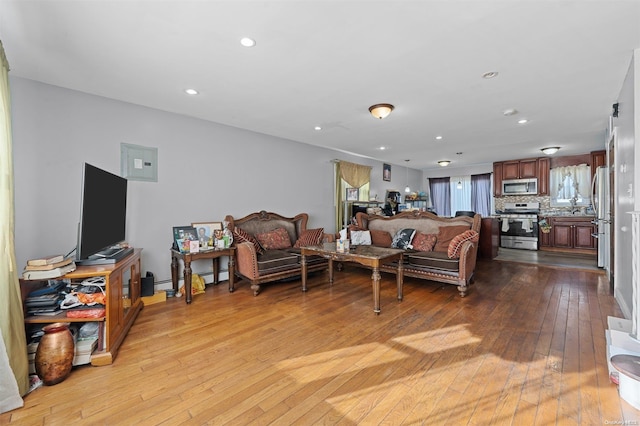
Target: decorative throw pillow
274 240
310 237
446 234
424 242
402 239
380 238
456 244
360 238
242 236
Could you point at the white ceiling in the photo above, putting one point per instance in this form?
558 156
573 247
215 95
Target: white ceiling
561 64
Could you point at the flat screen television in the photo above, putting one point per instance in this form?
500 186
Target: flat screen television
102 217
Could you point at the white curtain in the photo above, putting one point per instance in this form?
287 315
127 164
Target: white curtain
14 366
570 182
460 187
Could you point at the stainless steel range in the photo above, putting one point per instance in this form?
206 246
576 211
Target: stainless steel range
519 225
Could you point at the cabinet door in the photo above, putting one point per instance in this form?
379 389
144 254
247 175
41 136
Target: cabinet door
528 168
545 238
543 176
510 170
582 235
598 158
114 308
562 235
497 179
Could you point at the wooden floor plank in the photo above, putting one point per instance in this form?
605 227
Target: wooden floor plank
526 346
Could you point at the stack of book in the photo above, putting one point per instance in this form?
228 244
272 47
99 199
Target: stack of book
48 267
45 300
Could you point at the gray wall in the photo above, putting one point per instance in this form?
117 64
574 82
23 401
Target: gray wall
206 171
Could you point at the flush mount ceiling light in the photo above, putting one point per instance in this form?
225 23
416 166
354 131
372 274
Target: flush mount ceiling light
510 111
444 163
191 91
247 42
407 189
438 138
550 150
381 110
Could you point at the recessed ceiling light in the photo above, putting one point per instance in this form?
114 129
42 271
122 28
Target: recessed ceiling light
490 74
382 148
191 91
510 111
317 128
247 42
523 121
438 138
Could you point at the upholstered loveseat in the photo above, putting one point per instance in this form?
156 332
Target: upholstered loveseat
447 262
268 247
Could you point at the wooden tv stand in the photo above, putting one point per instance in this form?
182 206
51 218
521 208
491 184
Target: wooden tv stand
123 304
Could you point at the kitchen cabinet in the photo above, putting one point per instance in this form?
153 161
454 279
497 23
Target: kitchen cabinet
520 169
544 167
569 233
497 179
598 158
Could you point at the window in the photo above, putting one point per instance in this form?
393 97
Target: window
570 186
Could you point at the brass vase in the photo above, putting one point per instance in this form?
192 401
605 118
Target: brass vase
54 356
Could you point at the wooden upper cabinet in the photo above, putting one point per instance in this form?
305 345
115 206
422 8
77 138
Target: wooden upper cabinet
598 158
544 165
520 169
497 179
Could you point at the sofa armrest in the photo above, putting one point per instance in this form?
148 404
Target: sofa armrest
247 260
468 254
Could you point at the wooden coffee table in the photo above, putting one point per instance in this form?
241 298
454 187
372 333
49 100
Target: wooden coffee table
370 256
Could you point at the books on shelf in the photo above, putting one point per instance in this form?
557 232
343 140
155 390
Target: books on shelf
49 273
46 260
49 266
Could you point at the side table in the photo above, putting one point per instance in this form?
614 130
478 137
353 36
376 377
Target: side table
187 258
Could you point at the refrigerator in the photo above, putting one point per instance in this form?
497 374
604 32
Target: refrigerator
600 203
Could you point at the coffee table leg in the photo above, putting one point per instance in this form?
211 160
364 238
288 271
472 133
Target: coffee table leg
330 271
375 277
400 278
187 281
303 263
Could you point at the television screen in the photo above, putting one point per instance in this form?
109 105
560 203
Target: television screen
103 214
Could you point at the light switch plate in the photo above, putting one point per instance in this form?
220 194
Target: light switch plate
139 162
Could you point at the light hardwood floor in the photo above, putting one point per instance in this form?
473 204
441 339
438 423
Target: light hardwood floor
526 346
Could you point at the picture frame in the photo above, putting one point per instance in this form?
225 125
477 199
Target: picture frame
182 235
352 194
207 227
386 172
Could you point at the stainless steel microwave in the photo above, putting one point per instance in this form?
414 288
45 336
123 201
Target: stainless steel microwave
520 187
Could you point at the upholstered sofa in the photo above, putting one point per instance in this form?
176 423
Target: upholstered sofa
268 247
447 262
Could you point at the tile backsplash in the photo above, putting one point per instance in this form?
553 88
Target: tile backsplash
545 204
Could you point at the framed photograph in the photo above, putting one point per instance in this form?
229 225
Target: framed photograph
352 194
206 229
181 237
386 172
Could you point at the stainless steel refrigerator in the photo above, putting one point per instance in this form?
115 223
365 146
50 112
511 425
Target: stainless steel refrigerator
600 203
